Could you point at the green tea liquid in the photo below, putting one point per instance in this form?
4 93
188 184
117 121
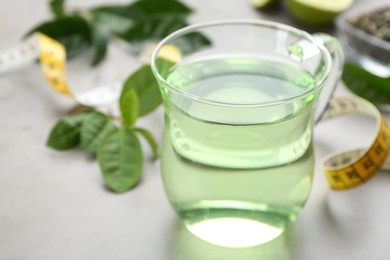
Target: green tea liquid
237 176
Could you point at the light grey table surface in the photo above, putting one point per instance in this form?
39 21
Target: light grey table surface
53 205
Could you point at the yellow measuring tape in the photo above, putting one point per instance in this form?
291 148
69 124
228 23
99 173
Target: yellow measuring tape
350 169
343 171
53 63
52 57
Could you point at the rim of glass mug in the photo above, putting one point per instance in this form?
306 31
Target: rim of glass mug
251 22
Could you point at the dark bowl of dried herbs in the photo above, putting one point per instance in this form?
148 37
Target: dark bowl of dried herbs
365 33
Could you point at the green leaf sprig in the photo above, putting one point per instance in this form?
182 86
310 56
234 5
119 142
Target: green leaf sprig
137 23
115 142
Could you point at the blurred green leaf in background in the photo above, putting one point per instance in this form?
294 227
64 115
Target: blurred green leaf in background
139 23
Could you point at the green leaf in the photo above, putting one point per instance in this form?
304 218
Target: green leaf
161 8
121 17
156 28
144 84
120 159
366 85
164 66
72 31
106 22
57 7
100 35
93 129
150 139
152 30
129 106
114 18
118 10
192 42
66 133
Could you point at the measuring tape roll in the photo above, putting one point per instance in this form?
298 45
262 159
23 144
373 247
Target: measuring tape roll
349 169
343 170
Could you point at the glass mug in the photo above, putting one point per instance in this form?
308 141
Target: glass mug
237 157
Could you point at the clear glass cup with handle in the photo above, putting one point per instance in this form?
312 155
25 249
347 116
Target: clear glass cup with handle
237 157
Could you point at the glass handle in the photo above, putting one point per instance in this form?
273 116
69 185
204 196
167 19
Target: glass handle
336 51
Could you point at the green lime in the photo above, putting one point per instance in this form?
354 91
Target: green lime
264 4
317 12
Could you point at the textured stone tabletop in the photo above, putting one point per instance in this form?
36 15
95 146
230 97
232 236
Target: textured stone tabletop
53 205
